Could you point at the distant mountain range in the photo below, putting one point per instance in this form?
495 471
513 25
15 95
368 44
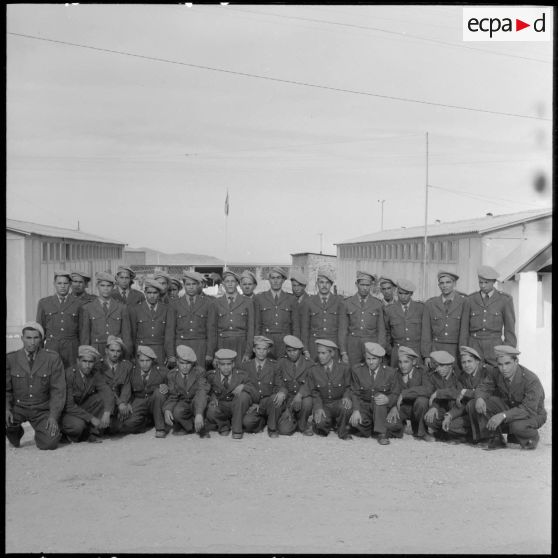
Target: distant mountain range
154 257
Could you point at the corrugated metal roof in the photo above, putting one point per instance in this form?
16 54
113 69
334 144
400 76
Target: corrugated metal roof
27 227
479 225
525 252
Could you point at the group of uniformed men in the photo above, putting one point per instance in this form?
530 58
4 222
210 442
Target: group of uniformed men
124 361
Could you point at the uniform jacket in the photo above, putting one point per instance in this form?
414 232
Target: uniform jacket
199 322
96 327
149 329
368 321
418 385
404 329
485 322
302 298
236 321
294 376
119 380
266 383
329 322
469 383
218 391
441 326
60 321
447 389
43 388
188 387
79 388
157 375
282 317
327 388
524 396
364 388
133 296
85 297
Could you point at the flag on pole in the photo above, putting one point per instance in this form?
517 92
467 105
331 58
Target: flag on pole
227 204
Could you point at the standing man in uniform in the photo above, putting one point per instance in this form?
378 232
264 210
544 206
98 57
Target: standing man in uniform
193 321
105 316
35 390
298 285
248 283
80 281
235 320
442 318
60 316
123 291
175 288
387 288
276 313
165 280
486 314
365 319
403 321
324 316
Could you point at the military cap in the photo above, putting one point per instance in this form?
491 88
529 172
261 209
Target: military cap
229 272
326 343
365 275
386 280
407 351
81 274
153 283
327 273
278 270
299 278
225 354
162 274
147 351
247 274
450 274
258 339
292 341
186 353
62 273
128 269
374 349
442 357
463 350
113 339
34 325
215 276
104 276
194 275
505 350
88 350
176 282
406 285
487 272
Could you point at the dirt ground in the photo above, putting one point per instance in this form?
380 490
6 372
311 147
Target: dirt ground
289 495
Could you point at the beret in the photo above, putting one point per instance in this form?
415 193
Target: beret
225 354
247 274
442 357
406 285
104 276
62 273
229 272
80 274
215 276
487 272
278 270
162 274
176 282
326 343
113 339
147 351
194 275
374 349
299 278
129 270
327 273
292 341
407 351
463 350
261 339
449 274
34 325
365 275
153 283
386 280
88 350
503 350
186 353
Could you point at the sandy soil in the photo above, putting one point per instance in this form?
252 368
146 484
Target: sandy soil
290 495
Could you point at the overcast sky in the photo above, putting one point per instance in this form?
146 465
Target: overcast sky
143 151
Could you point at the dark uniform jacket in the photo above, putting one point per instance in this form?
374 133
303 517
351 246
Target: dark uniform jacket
119 380
79 388
294 376
364 387
149 329
43 388
263 384
447 389
404 328
471 381
191 387
524 395
418 385
236 321
441 324
85 297
281 318
133 296
329 322
329 387
156 376
368 321
59 321
217 389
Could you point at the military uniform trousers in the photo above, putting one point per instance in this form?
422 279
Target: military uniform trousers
236 343
523 429
413 411
436 425
277 350
291 420
255 419
66 347
374 418
146 411
184 414
355 347
485 346
313 348
451 348
75 427
38 418
336 418
228 414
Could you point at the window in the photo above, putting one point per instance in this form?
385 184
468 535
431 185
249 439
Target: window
454 250
45 251
67 251
443 250
57 251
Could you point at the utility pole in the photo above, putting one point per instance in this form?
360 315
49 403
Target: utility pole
321 235
78 226
382 202
425 254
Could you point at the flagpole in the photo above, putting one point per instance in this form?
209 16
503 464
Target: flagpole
226 229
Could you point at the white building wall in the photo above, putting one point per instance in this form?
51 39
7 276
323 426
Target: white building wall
15 289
